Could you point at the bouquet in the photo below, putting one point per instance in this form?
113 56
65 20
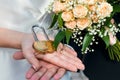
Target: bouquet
84 20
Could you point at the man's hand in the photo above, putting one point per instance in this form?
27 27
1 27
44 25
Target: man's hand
45 72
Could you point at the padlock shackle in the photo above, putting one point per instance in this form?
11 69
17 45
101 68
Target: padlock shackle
34 33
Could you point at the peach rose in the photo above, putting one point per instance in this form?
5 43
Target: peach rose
58 6
83 23
94 18
101 0
71 24
67 16
104 10
80 11
92 7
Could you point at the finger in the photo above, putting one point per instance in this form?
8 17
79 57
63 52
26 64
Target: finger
60 47
66 53
72 61
39 74
18 55
29 73
49 74
29 55
70 50
55 58
60 73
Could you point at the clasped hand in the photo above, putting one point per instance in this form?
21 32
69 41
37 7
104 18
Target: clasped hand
46 66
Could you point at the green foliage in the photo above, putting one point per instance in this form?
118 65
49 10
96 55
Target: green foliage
55 18
86 42
68 34
116 8
114 51
60 21
106 40
58 38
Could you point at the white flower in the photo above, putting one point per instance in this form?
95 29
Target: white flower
104 10
80 11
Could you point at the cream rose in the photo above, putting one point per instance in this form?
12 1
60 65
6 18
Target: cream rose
58 6
83 23
71 24
90 2
67 16
80 11
81 1
104 10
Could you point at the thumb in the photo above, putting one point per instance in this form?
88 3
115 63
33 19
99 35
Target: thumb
18 55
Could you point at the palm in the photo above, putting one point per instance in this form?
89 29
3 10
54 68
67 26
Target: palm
63 57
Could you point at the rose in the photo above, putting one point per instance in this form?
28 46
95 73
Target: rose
80 11
104 10
92 7
101 0
90 2
67 16
58 6
83 23
94 18
71 24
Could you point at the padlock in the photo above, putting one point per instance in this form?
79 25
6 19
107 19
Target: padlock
42 46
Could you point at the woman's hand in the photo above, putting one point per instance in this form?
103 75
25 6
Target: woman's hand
63 57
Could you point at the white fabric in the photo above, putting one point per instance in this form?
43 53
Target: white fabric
18 15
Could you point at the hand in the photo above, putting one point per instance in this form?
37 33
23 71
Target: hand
45 72
63 57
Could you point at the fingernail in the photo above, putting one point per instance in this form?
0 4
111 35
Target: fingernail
28 75
81 67
34 68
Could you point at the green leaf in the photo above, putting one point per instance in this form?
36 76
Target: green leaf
116 8
58 38
68 34
55 18
86 42
106 40
110 53
60 21
108 19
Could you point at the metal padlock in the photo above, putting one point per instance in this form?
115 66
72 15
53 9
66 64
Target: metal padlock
44 46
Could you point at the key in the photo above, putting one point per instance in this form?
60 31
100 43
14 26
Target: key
45 46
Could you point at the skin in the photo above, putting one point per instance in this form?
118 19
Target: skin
59 59
47 70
